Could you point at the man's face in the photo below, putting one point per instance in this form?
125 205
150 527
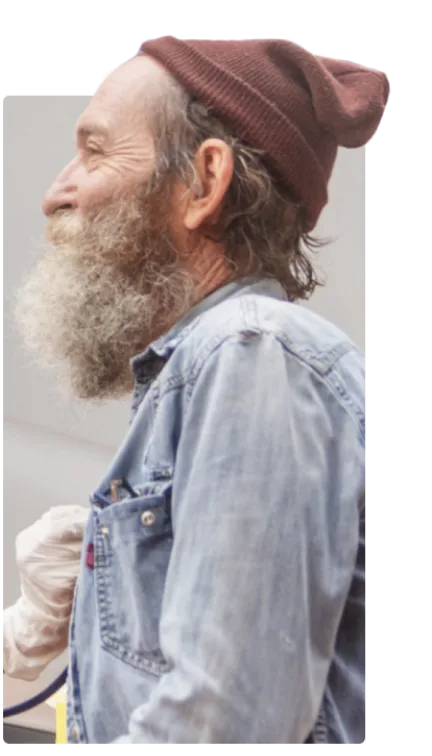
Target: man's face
110 280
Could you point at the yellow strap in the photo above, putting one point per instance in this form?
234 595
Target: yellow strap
61 722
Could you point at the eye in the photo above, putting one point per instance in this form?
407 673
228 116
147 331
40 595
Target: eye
92 151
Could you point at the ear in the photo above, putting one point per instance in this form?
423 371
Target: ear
214 164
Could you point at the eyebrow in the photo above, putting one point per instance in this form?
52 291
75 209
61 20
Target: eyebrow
88 128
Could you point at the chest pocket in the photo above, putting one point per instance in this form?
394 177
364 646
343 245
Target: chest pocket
132 548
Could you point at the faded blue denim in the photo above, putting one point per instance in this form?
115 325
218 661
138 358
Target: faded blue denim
226 602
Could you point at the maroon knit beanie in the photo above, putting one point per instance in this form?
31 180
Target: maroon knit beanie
295 107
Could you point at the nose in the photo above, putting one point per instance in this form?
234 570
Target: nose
63 191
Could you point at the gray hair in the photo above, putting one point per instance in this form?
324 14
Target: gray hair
261 226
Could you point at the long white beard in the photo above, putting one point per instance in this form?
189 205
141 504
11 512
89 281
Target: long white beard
100 294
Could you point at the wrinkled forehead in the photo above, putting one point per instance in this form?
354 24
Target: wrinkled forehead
126 98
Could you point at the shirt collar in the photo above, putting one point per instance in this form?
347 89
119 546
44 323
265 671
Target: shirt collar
164 346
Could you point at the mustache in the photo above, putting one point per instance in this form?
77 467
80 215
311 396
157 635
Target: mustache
64 227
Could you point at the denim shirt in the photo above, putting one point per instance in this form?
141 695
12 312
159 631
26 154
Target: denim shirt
221 598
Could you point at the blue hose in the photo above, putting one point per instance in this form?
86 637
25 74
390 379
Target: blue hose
58 683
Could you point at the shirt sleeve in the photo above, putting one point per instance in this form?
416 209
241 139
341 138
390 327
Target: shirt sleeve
263 552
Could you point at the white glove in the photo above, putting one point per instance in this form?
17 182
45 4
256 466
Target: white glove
36 627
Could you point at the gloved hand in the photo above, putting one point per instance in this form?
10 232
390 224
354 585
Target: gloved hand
36 627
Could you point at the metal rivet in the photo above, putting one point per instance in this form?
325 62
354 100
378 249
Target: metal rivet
105 530
148 518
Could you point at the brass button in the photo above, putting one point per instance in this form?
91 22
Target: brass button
105 530
148 518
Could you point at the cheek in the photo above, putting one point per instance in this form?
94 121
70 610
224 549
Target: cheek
101 183
97 187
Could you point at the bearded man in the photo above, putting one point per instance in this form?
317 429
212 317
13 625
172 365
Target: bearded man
220 594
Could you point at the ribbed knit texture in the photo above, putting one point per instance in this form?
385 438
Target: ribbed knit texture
294 106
